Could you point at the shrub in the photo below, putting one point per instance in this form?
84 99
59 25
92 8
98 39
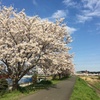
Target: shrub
45 82
3 86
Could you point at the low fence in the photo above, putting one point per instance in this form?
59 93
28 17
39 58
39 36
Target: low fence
25 81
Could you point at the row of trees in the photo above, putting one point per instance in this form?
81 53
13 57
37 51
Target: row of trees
27 42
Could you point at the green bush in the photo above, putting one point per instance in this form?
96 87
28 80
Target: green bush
45 82
3 86
26 89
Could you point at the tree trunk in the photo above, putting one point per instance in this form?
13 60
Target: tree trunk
15 85
54 77
34 78
45 77
59 75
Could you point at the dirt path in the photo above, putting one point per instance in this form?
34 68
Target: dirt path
61 91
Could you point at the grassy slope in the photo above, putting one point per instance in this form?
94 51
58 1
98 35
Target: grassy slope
83 92
97 85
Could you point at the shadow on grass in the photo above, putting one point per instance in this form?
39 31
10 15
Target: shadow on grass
26 89
44 84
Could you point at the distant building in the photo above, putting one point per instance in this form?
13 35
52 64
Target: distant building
88 72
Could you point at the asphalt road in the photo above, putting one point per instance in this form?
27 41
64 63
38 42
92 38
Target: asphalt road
62 91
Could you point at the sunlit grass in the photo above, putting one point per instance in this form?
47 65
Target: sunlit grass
11 96
97 85
83 92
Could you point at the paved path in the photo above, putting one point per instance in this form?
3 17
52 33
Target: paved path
62 91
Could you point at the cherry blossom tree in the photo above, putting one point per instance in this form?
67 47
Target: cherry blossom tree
26 41
62 65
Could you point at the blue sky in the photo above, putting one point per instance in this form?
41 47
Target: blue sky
83 20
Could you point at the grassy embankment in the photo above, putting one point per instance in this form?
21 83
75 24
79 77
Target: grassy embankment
93 81
97 85
82 91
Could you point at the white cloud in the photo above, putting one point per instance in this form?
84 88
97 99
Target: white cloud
71 29
91 4
69 3
87 9
82 18
59 14
98 28
35 3
98 24
90 9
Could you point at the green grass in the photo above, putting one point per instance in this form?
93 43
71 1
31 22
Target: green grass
55 81
11 96
97 85
15 95
83 92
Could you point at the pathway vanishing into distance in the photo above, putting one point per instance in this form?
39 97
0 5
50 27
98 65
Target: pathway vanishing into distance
62 91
